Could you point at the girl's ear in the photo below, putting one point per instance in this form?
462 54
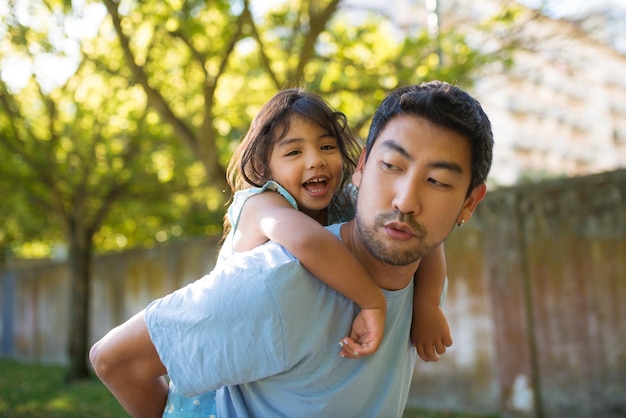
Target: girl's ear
358 171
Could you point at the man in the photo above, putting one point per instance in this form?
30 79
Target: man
263 331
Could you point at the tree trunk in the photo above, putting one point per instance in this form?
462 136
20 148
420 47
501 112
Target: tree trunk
80 257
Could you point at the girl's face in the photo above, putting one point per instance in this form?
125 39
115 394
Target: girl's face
308 163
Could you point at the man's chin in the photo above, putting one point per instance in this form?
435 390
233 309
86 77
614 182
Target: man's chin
396 258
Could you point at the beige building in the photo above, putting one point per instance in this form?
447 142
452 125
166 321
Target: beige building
560 110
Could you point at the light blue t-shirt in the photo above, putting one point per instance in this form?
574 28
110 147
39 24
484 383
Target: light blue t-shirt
340 209
265 332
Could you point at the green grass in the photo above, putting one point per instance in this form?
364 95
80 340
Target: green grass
37 391
419 413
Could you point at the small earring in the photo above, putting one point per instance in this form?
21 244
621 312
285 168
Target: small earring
460 224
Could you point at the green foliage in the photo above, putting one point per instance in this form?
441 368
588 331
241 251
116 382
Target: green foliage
91 152
155 109
93 146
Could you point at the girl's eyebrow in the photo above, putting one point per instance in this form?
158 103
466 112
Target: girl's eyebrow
288 140
446 165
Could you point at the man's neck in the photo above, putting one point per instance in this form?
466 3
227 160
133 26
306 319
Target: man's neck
388 277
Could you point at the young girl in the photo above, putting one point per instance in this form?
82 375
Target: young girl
299 154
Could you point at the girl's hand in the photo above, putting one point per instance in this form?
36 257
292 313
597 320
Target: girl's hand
430 332
366 334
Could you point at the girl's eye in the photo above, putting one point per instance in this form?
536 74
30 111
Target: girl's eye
328 147
294 152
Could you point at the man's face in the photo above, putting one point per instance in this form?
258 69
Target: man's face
412 190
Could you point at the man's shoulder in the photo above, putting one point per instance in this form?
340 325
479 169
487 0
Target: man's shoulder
268 256
335 229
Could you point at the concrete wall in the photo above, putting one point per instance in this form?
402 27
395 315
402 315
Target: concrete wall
536 303
34 301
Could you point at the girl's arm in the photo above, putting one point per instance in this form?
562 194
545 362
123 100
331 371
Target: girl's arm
268 216
430 331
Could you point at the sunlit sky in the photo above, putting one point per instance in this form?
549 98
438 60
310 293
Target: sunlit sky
577 9
52 70
562 8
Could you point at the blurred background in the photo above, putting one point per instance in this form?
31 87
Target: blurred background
118 118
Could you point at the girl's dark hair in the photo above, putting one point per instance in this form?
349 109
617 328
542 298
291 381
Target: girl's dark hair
249 165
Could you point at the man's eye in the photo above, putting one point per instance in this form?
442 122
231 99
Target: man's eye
389 167
437 182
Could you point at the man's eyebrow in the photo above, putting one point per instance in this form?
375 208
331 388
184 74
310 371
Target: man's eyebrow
394 146
446 165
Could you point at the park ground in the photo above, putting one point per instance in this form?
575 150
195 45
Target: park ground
37 391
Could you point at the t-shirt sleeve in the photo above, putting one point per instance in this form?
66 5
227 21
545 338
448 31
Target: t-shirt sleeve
241 196
234 212
223 329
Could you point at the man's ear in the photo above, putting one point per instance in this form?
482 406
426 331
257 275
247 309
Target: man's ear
477 194
358 171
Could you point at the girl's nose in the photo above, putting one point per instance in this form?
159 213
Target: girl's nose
316 160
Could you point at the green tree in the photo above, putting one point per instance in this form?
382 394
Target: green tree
75 151
207 66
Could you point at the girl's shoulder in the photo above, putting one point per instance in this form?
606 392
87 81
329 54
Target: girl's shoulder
241 196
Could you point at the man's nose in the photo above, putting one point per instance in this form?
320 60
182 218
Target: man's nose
407 198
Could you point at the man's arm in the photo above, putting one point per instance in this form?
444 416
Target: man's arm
128 364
